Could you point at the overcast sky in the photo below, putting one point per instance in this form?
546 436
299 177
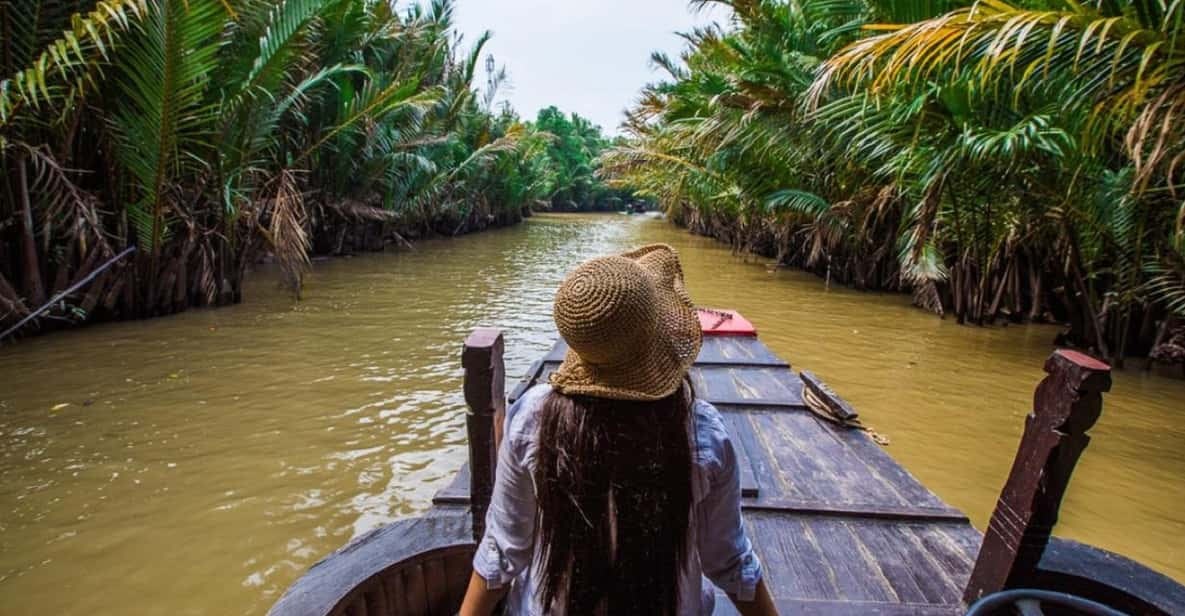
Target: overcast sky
591 57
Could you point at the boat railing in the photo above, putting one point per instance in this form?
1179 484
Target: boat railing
485 398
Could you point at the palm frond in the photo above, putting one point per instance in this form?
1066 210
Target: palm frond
69 59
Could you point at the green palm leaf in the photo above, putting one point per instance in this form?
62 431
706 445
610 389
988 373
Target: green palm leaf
68 59
165 117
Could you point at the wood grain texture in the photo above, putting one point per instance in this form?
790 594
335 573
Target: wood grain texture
837 406
840 527
716 350
1108 578
390 561
485 395
1066 405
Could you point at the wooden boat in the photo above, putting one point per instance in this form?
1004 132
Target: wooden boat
840 527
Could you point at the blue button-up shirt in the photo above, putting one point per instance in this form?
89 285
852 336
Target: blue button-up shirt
723 553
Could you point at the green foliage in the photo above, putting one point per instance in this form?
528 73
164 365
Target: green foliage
207 132
573 150
999 160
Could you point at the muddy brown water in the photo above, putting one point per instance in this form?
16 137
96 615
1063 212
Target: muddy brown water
199 464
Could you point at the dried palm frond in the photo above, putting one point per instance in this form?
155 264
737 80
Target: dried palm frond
286 231
1156 141
68 211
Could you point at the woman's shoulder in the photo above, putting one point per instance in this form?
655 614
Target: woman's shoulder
711 436
522 417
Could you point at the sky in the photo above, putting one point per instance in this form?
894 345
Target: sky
591 57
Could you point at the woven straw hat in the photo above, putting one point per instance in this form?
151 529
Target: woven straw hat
630 326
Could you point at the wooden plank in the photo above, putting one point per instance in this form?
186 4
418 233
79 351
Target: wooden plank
893 568
557 352
880 463
863 608
833 464
927 573
817 458
417 591
436 585
765 404
953 547
724 607
856 575
457 570
731 385
774 483
716 350
457 491
376 599
749 486
396 593
1109 578
838 407
737 351
336 577
856 560
870 511
797 565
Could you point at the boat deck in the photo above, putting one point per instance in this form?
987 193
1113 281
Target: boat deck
840 527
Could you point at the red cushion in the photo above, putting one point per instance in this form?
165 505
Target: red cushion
724 323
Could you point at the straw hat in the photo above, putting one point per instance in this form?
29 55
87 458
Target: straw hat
630 326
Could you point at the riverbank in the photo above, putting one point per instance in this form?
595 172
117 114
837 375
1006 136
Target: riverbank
1161 340
339 231
250 441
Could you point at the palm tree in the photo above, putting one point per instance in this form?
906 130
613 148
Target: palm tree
997 161
206 132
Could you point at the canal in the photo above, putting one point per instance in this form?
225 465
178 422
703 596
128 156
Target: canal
198 464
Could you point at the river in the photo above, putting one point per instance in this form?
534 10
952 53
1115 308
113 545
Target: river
198 464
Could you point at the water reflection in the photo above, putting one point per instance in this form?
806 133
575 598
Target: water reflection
204 461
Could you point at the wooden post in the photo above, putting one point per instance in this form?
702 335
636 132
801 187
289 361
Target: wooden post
485 386
1067 404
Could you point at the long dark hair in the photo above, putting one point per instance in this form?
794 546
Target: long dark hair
613 481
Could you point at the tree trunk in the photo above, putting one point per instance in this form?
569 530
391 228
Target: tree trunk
1035 288
34 287
91 299
10 301
1092 317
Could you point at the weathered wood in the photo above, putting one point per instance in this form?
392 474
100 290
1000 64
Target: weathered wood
485 384
1066 405
381 557
1108 578
840 527
859 510
836 406
863 608
798 456
749 486
457 491
750 385
735 351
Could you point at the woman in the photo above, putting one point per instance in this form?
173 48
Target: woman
617 491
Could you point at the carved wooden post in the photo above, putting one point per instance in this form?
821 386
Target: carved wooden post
485 385
1067 404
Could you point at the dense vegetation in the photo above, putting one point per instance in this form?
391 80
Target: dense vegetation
573 152
1000 161
209 133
